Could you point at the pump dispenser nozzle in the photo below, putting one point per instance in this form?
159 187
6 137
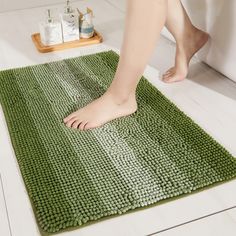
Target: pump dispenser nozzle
49 19
68 8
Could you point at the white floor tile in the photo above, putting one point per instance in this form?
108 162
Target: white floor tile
4 224
232 214
217 225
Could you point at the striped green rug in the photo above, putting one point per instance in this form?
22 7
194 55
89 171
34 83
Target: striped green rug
75 177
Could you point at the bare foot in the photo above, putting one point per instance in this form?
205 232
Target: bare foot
184 53
100 111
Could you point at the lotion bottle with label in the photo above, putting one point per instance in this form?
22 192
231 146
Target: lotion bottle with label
70 24
86 24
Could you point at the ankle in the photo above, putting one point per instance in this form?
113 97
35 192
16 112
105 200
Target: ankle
120 97
188 36
191 40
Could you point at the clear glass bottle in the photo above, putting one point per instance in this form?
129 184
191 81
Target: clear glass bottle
50 30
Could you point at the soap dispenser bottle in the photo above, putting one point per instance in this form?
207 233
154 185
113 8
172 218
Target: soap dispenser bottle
86 24
70 24
50 31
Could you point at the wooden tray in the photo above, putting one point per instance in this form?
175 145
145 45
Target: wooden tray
97 38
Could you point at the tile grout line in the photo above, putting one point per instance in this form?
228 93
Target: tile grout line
191 221
5 203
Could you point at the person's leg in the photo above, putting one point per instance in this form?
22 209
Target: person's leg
188 38
144 22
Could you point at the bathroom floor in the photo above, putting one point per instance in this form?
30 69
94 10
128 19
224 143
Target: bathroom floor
206 96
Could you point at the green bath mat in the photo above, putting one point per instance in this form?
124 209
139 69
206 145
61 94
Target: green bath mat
75 177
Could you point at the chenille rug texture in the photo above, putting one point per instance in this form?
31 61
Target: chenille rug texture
75 177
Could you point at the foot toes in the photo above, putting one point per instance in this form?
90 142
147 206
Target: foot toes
169 79
72 115
169 71
76 124
82 125
166 77
70 122
172 79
